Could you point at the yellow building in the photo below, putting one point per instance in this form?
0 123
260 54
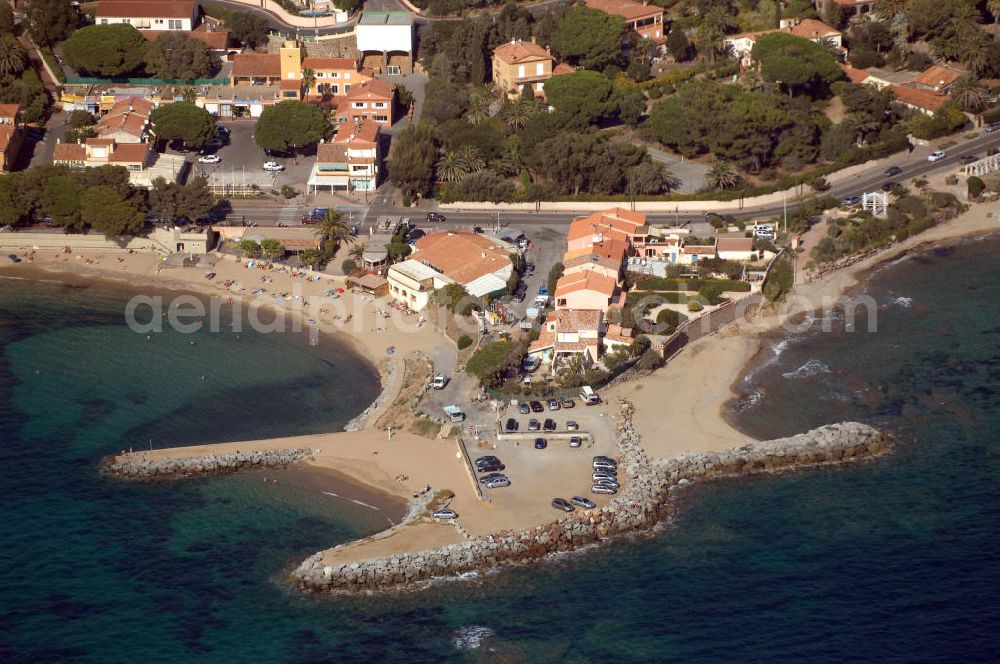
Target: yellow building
518 63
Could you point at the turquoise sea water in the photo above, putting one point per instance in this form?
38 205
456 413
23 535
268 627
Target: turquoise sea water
892 561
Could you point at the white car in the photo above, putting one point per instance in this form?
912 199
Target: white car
209 159
273 167
445 514
936 156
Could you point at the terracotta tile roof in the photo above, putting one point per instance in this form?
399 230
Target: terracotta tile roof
69 152
137 105
618 333
145 8
562 68
515 52
925 99
375 88
699 250
461 256
216 40
938 76
570 346
854 74
289 84
546 339
585 280
327 64
620 222
257 64
130 153
735 244
576 320
99 141
364 132
131 124
331 153
810 28
9 110
625 8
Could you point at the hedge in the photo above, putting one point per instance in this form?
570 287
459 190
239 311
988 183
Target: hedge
667 284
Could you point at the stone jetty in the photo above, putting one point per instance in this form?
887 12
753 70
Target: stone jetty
137 466
641 504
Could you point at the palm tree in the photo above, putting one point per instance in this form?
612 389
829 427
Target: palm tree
518 112
308 79
479 108
472 158
334 227
969 94
975 54
451 167
12 56
722 176
994 7
358 250
715 23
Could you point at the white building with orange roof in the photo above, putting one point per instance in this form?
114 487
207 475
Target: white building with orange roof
642 19
334 76
606 256
478 264
350 161
577 332
127 121
616 224
587 290
740 46
143 164
518 63
11 136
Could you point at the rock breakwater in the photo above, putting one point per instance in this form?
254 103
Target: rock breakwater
138 466
641 504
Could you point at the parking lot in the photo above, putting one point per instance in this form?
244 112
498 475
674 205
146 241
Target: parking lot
243 162
538 476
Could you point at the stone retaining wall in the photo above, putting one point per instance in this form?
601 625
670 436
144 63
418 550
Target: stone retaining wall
640 505
136 466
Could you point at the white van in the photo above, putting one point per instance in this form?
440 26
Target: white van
763 230
589 396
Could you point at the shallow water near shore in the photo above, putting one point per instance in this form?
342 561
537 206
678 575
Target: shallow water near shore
896 560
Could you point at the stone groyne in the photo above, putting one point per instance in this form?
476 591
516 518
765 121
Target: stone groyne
137 466
641 504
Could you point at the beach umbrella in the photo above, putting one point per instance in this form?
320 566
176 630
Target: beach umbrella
340 291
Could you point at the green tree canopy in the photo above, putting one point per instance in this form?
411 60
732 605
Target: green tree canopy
589 38
51 21
488 363
175 55
169 200
586 97
249 29
105 50
272 249
290 125
104 210
12 56
678 45
798 64
183 121
411 162
6 18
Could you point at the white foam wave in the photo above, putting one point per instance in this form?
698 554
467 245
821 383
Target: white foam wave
471 637
810 368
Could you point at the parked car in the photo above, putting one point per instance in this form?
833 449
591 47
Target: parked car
607 459
540 444
937 156
554 404
585 503
992 127
13 258
523 408
575 441
445 514
562 504
589 396
511 425
439 382
497 482
567 402
213 144
550 425
604 465
852 200
572 425
534 425
222 131
519 296
488 464
537 407
209 159
478 230
599 475
435 216
968 159
892 170
600 488
273 167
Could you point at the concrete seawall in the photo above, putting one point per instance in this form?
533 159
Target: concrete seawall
135 466
640 505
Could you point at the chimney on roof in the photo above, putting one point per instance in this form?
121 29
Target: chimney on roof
534 40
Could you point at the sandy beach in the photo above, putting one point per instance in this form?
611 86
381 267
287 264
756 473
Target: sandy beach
680 408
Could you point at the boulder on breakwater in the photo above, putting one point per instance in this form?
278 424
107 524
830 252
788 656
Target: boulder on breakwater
137 466
639 505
